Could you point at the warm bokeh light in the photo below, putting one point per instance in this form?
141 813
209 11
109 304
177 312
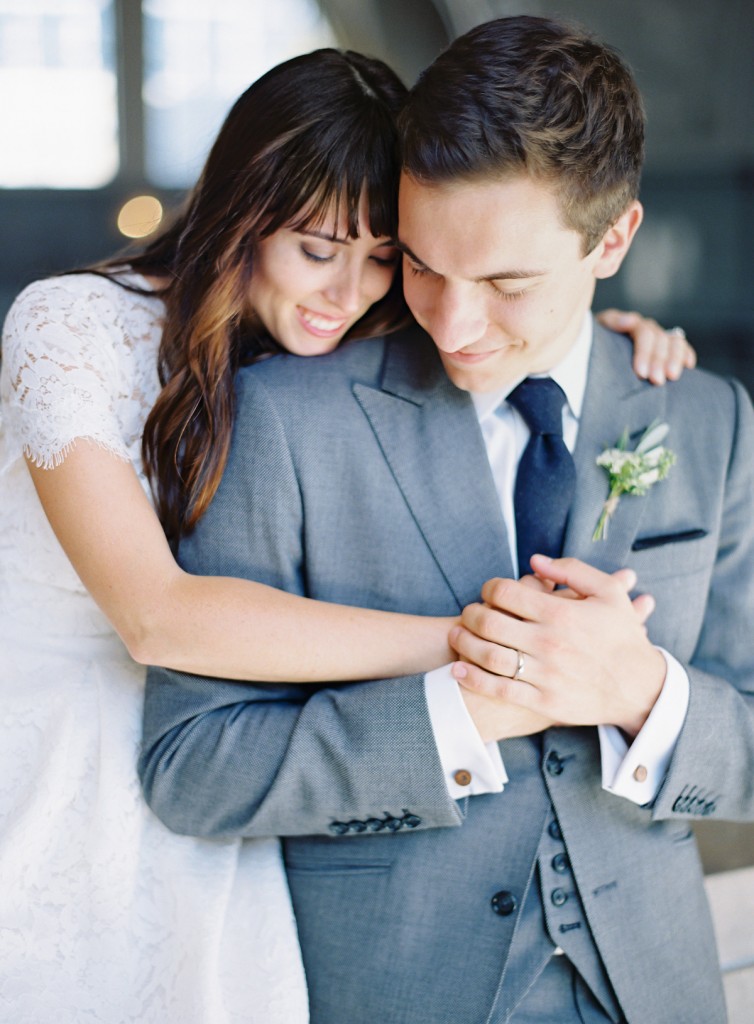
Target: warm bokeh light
140 216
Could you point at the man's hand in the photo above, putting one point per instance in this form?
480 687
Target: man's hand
586 661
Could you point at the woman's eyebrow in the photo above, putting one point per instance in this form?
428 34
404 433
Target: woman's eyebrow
326 236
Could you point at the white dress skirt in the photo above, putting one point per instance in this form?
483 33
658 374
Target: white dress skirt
106 917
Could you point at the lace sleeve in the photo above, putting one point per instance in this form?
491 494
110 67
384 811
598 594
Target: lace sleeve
62 377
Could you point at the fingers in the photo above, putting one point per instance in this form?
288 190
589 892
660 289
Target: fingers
644 605
516 599
659 355
540 585
497 687
584 579
494 658
495 624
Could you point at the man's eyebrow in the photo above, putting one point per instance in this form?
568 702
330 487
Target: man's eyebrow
412 256
503 275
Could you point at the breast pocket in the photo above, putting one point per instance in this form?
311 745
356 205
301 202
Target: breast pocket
677 573
673 553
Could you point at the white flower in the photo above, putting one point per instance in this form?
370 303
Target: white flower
633 472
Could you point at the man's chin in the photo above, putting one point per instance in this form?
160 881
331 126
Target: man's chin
476 381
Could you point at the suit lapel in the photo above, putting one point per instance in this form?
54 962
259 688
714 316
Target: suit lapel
429 434
615 399
430 437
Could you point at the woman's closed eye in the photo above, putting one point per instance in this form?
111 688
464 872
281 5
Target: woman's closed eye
388 258
317 257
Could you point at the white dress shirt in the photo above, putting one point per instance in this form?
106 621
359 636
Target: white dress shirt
634 772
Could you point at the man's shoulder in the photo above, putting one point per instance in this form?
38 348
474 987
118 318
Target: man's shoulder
699 393
319 380
707 397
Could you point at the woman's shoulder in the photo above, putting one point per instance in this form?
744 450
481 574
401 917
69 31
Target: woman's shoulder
77 312
57 297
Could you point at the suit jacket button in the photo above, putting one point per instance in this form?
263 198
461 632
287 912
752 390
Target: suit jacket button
554 764
504 903
559 897
560 863
338 828
411 820
462 777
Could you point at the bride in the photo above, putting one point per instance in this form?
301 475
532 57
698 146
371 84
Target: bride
116 386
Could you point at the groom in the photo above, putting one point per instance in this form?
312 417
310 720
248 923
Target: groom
438 875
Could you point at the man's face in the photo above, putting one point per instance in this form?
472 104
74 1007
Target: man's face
491 273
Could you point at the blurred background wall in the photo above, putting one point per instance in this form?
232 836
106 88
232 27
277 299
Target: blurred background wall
105 100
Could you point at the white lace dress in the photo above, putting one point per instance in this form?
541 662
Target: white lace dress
106 917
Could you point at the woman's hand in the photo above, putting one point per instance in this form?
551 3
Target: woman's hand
659 355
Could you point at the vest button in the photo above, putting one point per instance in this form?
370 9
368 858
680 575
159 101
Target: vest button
559 897
554 829
504 903
554 764
560 863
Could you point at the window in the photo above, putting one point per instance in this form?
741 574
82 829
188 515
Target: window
58 98
199 57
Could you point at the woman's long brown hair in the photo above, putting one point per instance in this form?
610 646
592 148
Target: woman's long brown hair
310 136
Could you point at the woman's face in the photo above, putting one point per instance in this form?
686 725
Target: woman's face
309 287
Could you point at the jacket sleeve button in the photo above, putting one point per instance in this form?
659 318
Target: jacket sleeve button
338 828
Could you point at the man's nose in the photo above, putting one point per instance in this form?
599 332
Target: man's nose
456 320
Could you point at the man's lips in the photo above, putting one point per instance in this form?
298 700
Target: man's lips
469 358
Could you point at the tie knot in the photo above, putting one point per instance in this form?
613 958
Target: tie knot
540 401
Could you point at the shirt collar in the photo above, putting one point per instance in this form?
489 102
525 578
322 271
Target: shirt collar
570 373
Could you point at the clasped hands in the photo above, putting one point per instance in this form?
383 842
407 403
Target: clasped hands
586 656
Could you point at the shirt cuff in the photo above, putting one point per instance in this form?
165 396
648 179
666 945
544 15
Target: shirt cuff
470 766
637 772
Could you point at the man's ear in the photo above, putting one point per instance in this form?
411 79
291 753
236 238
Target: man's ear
617 240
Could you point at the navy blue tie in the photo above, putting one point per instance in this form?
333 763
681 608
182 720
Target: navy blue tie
546 476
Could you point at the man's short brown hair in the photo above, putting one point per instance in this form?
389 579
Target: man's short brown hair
536 96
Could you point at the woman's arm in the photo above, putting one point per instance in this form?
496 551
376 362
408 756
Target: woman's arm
212 625
234 628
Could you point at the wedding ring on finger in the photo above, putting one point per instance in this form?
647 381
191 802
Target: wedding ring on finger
518 674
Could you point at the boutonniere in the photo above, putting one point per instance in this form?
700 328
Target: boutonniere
633 472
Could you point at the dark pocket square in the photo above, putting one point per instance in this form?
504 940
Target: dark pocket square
643 543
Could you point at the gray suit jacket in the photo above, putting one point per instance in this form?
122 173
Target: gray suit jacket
362 478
